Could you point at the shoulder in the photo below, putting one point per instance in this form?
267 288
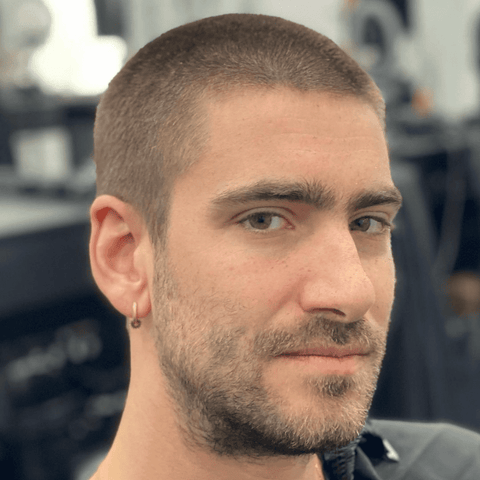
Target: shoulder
427 451
436 433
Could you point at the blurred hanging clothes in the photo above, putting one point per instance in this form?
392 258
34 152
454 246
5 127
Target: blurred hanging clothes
414 379
5 152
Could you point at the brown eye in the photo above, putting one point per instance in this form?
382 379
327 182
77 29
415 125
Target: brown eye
362 224
370 225
262 221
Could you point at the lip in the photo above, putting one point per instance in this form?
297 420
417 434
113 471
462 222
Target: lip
331 352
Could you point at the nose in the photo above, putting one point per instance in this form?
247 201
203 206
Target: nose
335 279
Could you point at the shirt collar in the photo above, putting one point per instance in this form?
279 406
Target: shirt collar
358 459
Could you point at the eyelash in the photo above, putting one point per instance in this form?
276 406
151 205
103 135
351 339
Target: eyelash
387 226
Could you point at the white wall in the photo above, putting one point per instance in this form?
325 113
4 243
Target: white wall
444 42
150 18
439 55
75 60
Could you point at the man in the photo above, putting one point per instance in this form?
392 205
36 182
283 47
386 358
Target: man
242 224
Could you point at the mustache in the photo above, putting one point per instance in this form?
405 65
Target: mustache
320 331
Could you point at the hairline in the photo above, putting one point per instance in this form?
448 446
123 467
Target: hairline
203 98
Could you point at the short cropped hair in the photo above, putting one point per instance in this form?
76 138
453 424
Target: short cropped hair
151 123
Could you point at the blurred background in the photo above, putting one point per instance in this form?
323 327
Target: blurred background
64 350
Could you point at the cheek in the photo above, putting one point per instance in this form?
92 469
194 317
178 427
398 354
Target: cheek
262 282
253 283
233 279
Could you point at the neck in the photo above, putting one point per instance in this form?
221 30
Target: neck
149 444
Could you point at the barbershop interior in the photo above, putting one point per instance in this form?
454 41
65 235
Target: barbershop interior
64 357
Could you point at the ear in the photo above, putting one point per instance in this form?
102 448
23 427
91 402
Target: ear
121 255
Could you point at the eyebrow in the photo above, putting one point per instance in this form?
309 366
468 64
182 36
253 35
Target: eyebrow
307 192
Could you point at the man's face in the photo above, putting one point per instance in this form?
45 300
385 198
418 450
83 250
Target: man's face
272 302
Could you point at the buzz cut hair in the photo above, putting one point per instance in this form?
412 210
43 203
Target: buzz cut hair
151 124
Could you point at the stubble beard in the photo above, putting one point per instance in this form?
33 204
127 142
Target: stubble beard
215 378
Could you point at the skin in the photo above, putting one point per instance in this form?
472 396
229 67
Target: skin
233 291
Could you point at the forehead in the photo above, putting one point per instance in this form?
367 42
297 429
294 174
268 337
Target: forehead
280 134
271 110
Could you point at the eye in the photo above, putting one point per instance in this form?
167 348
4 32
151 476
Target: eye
263 221
371 225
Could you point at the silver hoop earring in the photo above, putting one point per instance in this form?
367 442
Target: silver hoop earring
135 323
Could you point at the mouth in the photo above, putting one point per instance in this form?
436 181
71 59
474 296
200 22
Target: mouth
331 352
338 360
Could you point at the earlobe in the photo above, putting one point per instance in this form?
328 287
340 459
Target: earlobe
117 254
